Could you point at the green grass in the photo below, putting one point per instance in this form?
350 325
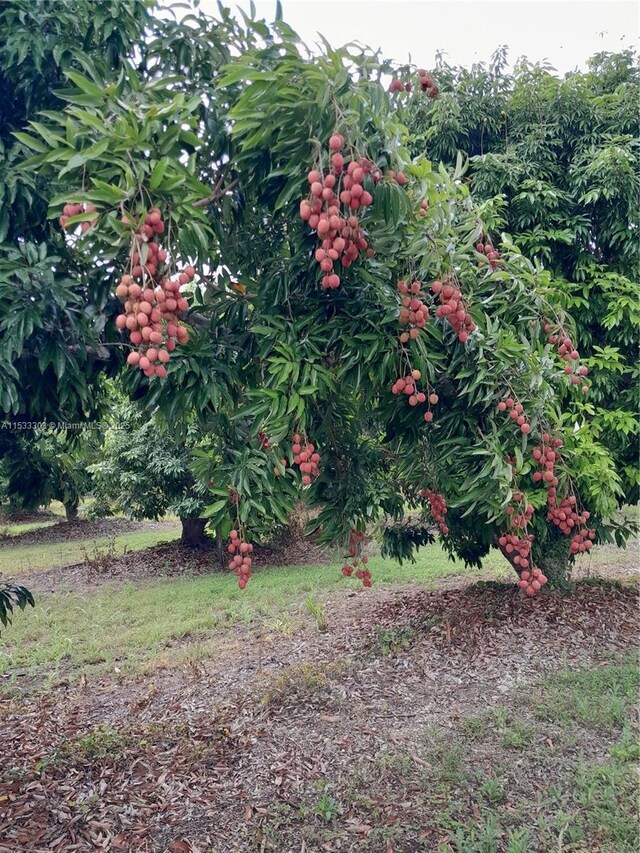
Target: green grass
26 559
484 785
136 626
598 698
57 508
130 626
588 799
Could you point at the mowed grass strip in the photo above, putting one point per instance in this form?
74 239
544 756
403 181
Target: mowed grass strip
129 626
28 559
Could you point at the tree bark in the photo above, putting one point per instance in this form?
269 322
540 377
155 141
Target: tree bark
553 558
193 532
13 508
218 544
71 511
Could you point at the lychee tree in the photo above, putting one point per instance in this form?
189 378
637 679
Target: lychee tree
352 330
553 160
53 357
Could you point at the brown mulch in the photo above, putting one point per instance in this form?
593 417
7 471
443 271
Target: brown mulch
195 760
25 516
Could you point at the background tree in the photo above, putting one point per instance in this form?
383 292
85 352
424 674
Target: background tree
54 303
57 341
44 465
556 162
144 471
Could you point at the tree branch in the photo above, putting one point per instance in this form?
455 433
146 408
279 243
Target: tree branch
218 192
194 318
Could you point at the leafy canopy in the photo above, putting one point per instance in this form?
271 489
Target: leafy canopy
217 125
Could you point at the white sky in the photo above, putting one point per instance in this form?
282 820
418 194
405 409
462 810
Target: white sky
565 32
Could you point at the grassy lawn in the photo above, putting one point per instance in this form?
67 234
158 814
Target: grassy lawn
550 769
130 626
25 559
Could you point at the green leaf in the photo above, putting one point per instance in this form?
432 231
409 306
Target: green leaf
30 142
85 84
157 173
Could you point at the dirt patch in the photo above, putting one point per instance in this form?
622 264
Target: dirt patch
206 758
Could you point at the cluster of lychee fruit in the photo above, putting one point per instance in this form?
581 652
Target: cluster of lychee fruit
241 562
582 540
516 413
425 81
438 509
566 516
532 581
306 457
398 85
414 313
516 546
453 309
424 207
546 455
70 210
517 549
492 255
356 566
330 210
521 514
152 301
407 385
566 349
399 177
263 438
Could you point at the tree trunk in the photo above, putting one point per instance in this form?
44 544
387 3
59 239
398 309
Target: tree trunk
193 532
13 508
552 555
553 558
221 551
71 511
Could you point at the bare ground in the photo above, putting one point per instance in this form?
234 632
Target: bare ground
26 516
223 755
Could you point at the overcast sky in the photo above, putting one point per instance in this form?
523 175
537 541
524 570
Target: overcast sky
565 32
